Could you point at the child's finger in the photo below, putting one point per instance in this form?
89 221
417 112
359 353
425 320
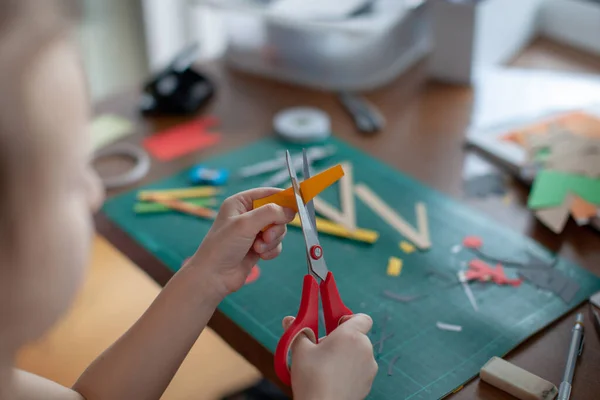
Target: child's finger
271 254
274 233
287 322
252 222
358 322
261 247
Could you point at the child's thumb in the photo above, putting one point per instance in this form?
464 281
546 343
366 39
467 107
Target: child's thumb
287 322
358 322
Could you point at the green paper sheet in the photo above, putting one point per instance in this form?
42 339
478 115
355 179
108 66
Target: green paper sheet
551 187
431 363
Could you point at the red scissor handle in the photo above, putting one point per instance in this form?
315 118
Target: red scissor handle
307 321
333 306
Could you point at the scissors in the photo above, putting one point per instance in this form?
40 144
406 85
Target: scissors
307 319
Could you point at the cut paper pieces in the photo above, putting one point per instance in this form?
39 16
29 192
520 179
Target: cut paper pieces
479 270
253 276
555 218
399 297
448 327
577 122
185 208
420 236
333 229
582 211
551 188
485 185
393 361
347 216
184 193
109 128
468 292
394 267
552 280
472 242
153 208
182 139
406 247
309 189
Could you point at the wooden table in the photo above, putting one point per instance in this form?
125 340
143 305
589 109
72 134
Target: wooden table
423 138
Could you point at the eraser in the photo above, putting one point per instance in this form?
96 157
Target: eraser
516 381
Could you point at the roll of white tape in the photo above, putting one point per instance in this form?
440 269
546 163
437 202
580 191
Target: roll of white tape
302 125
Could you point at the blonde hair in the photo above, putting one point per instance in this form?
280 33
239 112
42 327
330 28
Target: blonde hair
26 28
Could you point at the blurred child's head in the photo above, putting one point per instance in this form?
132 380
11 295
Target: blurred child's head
47 190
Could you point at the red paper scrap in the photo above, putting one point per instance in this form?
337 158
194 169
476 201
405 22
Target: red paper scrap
182 139
472 242
253 276
483 272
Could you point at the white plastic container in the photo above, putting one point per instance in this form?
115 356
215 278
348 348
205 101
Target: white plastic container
359 53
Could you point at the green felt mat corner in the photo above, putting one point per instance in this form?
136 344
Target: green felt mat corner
431 362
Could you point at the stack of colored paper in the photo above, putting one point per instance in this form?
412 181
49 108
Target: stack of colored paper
568 183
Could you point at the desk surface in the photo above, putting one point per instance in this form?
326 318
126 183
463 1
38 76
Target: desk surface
423 137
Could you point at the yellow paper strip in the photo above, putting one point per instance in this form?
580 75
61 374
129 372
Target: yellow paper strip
331 228
407 247
394 267
184 193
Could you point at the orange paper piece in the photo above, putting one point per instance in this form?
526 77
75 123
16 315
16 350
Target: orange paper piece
577 122
310 188
581 209
253 276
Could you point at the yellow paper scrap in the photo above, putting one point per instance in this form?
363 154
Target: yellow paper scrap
407 247
394 266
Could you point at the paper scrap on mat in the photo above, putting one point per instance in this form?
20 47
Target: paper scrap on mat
407 247
394 267
448 327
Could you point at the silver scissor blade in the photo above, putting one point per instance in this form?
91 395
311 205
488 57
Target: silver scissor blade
318 266
306 172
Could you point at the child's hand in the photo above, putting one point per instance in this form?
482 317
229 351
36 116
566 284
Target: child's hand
341 366
235 241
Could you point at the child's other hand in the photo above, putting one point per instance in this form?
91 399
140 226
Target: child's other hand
341 366
235 242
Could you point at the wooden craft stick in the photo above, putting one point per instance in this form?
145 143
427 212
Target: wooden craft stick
185 193
420 238
347 216
152 208
185 208
333 229
347 196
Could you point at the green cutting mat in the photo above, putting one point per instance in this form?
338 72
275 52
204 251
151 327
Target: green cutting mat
431 362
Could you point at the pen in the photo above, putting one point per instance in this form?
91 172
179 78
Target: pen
575 349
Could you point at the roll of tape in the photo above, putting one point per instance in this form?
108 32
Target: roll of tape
302 125
140 168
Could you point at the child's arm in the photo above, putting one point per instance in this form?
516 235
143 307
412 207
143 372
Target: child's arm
142 362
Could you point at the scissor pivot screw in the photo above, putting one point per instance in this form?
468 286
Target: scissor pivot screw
316 252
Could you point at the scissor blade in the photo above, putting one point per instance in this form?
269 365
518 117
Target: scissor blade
309 206
318 266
